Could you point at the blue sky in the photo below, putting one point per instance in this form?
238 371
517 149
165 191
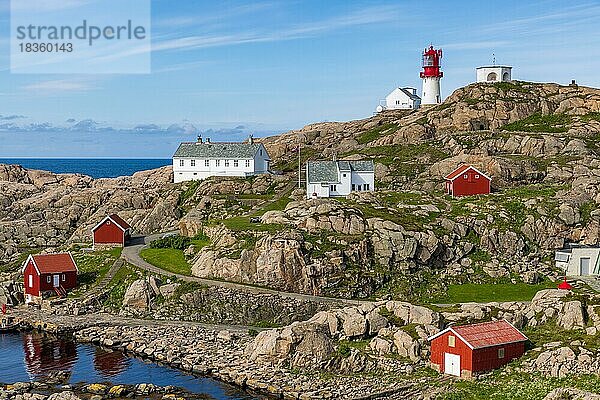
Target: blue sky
234 67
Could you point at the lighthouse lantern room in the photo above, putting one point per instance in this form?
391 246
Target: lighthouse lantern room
431 76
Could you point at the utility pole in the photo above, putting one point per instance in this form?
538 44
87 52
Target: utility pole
299 167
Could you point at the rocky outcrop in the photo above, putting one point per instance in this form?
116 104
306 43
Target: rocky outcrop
41 209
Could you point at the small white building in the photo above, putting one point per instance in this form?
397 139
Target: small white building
338 178
494 73
401 99
579 261
203 159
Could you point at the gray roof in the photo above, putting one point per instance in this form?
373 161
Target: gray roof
409 94
217 150
327 171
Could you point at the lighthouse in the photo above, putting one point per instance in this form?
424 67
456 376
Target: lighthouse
431 76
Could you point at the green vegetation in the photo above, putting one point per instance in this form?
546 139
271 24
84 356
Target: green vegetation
550 332
514 86
119 284
167 253
187 193
471 101
94 266
169 259
553 123
483 293
185 288
591 116
517 386
345 347
24 253
242 223
586 211
376 133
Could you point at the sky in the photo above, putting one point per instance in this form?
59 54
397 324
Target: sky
230 68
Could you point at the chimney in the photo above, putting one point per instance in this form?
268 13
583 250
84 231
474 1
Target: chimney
207 140
199 138
251 139
573 82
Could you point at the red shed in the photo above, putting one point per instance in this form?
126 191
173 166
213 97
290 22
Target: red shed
112 231
466 350
47 275
467 180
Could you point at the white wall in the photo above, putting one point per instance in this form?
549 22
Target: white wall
573 268
319 189
483 72
431 91
398 100
201 171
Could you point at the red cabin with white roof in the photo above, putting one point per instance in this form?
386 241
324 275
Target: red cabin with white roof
466 350
467 180
112 231
48 275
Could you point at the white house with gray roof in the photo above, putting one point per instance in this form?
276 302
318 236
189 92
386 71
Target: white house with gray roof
203 159
402 98
339 178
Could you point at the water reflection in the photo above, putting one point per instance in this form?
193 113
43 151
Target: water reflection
36 356
110 363
46 354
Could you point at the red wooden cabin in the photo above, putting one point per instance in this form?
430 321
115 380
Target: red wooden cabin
48 275
112 231
467 180
466 350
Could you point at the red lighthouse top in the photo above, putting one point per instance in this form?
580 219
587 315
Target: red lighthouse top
431 63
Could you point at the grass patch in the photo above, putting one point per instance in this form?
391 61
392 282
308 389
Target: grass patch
94 266
586 211
591 116
119 284
168 259
553 123
517 386
377 132
483 293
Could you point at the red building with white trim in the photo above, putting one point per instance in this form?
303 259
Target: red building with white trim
464 351
112 231
48 275
467 180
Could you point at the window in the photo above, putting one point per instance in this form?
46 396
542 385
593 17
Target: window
333 188
465 176
217 163
476 176
359 187
451 341
30 281
261 152
193 163
501 352
366 186
247 163
236 163
353 187
63 277
344 175
181 163
48 279
195 173
207 163
227 163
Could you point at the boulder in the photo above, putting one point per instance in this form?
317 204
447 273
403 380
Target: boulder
571 316
137 297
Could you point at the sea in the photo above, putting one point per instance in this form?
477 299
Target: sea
94 167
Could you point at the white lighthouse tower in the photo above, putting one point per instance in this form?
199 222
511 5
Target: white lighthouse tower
431 76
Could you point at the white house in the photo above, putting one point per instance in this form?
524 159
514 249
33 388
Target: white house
401 99
579 261
494 73
338 178
202 159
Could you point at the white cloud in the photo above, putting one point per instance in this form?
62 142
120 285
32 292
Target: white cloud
60 86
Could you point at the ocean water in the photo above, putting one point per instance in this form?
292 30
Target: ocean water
94 167
33 356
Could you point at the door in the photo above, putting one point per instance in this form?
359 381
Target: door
56 280
584 266
452 364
